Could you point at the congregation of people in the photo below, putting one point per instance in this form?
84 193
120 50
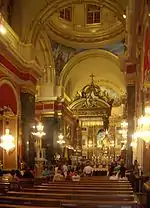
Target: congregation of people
116 170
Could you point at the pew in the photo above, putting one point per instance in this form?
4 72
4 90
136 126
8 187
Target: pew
17 206
67 194
66 203
77 191
74 184
104 197
105 188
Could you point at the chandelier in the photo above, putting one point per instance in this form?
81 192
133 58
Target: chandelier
39 130
2 28
7 141
61 140
143 129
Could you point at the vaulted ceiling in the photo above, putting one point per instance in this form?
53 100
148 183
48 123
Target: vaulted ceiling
42 23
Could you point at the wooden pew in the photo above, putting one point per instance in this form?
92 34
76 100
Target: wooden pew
104 204
44 190
66 194
74 195
38 202
62 188
79 184
66 203
112 197
18 206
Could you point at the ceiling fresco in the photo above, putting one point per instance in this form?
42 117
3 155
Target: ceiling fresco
62 54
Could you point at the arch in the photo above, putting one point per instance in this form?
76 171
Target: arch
47 51
43 17
4 82
83 56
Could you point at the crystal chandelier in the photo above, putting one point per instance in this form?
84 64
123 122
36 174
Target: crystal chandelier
39 130
61 140
7 141
143 130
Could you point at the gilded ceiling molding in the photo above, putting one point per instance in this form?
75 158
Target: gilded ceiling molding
11 46
29 90
53 6
96 40
14 77
10 76
83 56
7 81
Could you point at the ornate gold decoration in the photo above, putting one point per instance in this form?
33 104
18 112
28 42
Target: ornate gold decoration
92 94
6 113
92 102
52 7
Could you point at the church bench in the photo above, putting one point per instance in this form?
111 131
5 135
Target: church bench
4 187
112 197
37 202
70 184
64 203
19 206
91 182
102 204
83 188
78 191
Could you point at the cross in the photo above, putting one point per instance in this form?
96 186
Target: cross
92 76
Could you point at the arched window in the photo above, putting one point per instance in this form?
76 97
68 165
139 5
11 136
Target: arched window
93 14
66 13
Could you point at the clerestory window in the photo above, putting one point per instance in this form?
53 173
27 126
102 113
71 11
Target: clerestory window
93 14
66 13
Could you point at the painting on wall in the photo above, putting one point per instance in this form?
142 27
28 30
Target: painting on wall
117 48
62 54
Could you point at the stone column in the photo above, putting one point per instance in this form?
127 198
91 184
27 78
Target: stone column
131 76
51 128
27 117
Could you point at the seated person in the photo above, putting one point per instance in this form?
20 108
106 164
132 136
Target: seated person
58 176
76 177
46 172
28 174
7 177
71 173
15 176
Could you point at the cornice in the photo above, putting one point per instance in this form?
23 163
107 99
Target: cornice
12 46
30 85
94 40
28 89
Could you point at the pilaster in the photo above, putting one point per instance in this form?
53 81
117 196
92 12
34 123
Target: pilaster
27 117
131 90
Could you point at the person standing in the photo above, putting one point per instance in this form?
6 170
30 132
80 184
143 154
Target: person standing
88 170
